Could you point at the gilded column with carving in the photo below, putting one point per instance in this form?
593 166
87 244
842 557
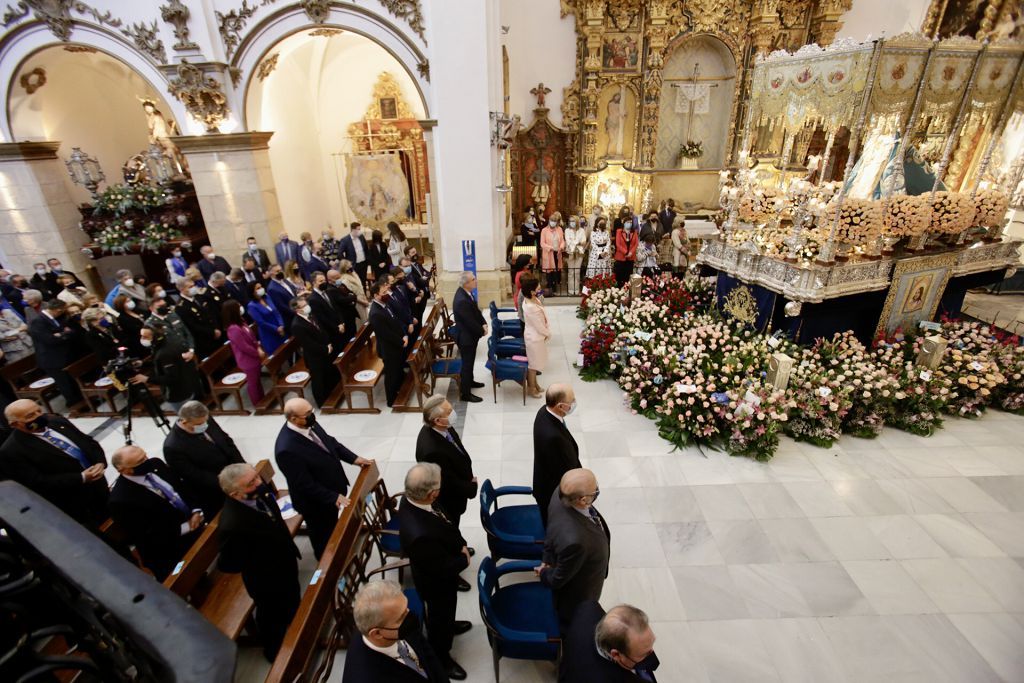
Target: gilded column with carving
764 25
657 37
825 21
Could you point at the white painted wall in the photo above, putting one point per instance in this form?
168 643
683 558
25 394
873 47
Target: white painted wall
878 18
541 48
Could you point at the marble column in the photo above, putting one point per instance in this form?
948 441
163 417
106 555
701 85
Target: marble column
235 187
38 216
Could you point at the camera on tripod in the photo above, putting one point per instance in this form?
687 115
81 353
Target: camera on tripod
121 369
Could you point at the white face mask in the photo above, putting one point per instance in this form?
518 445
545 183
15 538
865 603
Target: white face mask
146 342
252 247
193 291
452 416
552 223
129 283
211 256
572 409
130 305
40 271
176 254
160 294
572 224
260 292
306 309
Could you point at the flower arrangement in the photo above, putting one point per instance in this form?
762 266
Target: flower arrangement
907 215
859 221
592 285
991 206
117 236
156 233
952 212
122 199
691 149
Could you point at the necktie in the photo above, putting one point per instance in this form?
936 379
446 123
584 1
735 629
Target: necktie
168 493
316 439
594 517
440 514
644 675
409 659
263 506
69 448
451 440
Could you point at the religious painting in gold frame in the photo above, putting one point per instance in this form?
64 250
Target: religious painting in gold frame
621 52
914 294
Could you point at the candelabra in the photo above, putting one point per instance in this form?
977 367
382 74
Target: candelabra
85 170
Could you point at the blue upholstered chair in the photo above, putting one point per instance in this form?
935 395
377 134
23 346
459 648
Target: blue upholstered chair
441 366
506 327
513 531
503 369
508 346
520 618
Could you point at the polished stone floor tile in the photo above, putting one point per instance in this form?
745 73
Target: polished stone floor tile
888 587
1009 491
688 543
964 495
903 537
796 540
818 499
958 537
717 642
998 638
950 586
722 501
770 501
800 650
708 593
742 541
850 538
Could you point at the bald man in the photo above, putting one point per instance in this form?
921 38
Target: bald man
52 457
310 460
617 647
155 508
555 451
577 545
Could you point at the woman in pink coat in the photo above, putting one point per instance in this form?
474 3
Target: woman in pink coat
248 354
552 246
536 333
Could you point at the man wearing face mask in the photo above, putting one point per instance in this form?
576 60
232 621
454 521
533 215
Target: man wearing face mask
555 451
420 287
389 645
156 510
315 341
44 281
197 319
529 230
391 338
344 301
652 226
437 553
254 541
173 366
617 647
160 310
210 263
127 285
258 255
176 266
57 269
52 457
53 339
326 313
576 547
439 443
310 460
353 248
197 449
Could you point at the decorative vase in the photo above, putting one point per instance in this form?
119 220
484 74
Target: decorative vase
688 163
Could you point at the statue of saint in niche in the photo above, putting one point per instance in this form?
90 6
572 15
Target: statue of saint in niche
541 181
160 132
614 123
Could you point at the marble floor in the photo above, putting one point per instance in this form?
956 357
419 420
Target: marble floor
897 559
1006 310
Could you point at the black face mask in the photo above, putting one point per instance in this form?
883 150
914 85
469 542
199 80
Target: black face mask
415 258
278 276
160 310
260 491
409 628
145 467
39 424
648 663
310 420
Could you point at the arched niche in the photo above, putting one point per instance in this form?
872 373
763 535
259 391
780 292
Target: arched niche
82 97
718 72
308 89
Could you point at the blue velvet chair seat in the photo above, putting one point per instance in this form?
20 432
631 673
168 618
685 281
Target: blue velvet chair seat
446 366
526 607
415 603
391 543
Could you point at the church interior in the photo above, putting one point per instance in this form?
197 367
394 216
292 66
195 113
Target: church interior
744 278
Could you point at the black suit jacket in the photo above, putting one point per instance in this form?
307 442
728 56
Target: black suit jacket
238 292
53 344
457 485
198 461
179 378
363 665
388 329
313 340
555 452
576 551
55 475
104 342
583 663
46 285
217 265
325 313
261 258
259 546
153 525
348 250
315 476
468 318
196 317
434 548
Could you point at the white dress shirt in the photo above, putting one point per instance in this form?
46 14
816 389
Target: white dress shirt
141 481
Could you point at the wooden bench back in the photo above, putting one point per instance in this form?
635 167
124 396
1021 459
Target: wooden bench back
218 363
22 372
318 602
83 366
359 343
275 362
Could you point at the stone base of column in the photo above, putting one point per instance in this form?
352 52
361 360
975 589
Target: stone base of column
492 285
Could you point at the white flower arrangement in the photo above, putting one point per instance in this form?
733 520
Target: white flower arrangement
952 212
860 221
991 206
907 215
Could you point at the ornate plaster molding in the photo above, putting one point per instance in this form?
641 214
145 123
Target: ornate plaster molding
410 11
28 151
202 96
177 14
233 23
56 14
267 66
147 39
317 10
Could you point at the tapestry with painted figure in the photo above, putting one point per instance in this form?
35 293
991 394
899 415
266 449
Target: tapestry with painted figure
377 188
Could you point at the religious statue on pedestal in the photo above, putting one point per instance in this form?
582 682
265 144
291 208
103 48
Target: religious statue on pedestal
541 181
614 124
160 132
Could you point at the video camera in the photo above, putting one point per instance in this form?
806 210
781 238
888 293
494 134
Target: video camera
121 369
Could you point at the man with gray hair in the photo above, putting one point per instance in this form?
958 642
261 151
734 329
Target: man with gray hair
211 263
33 302
439 443
391 645
617 647
470 326
127 286
437 552
255 541
197 449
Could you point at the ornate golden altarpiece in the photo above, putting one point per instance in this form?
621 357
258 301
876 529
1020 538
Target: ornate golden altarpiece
389 125
627 43
541 166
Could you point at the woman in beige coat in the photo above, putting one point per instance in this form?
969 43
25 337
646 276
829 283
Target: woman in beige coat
350 279
536 333
680 246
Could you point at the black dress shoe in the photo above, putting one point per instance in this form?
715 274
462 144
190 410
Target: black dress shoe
461 627
472 550
464 586
454 671
478 385
471 399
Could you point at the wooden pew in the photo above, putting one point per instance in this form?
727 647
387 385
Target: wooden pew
415 385
22 373
85 372
215 368
219 597
318 609
282 387
277 365
360 354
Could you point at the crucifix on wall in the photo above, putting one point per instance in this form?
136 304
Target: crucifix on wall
693 97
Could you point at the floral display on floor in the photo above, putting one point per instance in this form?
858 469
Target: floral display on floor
704 377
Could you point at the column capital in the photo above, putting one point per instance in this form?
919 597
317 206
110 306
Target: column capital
223 142
20 151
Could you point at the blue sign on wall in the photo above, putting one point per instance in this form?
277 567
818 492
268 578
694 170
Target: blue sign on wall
469 260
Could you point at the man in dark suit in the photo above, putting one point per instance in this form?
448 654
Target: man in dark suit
317 350
252 273
44 281
391 338
617 647
354 248
405 299
437 553
286 250
255 541
174 369
555 451
211 263
49 455
258 255
154 507
56 269
471 326
197 449
667 217
325 313
196 316
344 301
419 283
576 546
389 645
310 460
237 288
214 298
54 344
